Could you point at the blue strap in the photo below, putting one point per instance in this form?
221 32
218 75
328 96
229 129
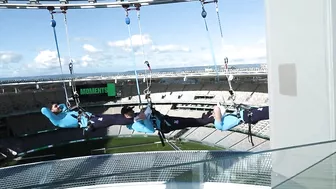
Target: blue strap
53 25
204 14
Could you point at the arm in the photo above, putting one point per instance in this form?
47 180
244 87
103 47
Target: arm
143 127
52 117
144 114
141 116
63 107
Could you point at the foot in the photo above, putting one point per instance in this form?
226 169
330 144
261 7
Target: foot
222 109
91 128
86 133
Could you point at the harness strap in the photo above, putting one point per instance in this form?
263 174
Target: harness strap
156 115
250 137
249 115
81 113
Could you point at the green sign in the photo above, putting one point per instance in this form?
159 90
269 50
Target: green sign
110 90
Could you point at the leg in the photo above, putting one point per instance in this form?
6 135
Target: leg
225 121
218 117
180 122
177 123
258 114
7 152
107 120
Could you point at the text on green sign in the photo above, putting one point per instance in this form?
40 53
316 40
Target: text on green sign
90 91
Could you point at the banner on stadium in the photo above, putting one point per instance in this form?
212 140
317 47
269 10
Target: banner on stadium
97 92
108 89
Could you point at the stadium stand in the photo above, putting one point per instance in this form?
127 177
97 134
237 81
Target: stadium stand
175 87
258 99
60 96
22 101
187 100
158 88
43 98
5 104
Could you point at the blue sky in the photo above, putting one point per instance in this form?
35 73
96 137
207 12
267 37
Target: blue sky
174 36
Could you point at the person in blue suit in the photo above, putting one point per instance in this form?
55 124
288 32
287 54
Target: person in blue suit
226 121
60 116
143 121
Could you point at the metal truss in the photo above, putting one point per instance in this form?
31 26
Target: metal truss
81 4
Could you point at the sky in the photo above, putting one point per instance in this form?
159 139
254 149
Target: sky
174 35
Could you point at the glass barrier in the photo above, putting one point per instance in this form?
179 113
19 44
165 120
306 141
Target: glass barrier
169 167
309 166
306 166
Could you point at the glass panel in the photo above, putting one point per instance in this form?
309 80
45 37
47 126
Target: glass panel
311 166
168 167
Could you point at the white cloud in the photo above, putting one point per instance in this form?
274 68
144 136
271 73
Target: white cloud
147 41
89 48
9 57
46 62
46 59
136 42
239 54
99 59
175 55
170 48
86 61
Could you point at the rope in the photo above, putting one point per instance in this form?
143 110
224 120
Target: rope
148 81
204 14
53 25
226 60
73 85
140 31
67 35
128 21
219 22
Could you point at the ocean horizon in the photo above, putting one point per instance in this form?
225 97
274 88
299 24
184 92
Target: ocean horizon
83 75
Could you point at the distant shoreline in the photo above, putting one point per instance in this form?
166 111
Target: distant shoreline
179 69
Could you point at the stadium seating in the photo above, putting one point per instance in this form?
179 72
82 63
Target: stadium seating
6 106
22 101
182 95
44 98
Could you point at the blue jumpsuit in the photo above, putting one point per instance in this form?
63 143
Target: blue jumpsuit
232 120
66 118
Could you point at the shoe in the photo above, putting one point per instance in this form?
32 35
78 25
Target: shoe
85 133
12 152
90 127
165 128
